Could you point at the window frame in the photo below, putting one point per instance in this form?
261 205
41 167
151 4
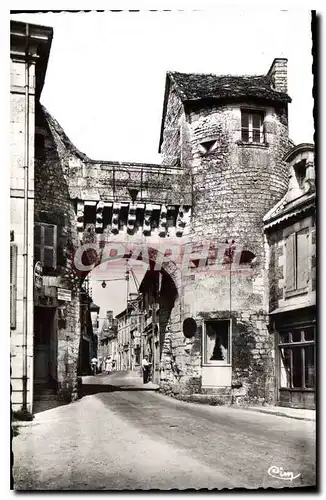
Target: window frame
217 363
250 128
290 345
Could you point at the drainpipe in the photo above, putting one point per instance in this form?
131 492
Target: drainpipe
25 251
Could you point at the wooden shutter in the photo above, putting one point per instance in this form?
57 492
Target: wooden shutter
302 259
49 246
13 284
45 245
290 264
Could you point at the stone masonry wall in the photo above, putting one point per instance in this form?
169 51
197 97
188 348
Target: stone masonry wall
234 185
53 206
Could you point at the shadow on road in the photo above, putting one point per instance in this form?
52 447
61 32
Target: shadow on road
88 389
40 406
122 381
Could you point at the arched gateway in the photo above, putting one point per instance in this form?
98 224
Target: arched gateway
107 212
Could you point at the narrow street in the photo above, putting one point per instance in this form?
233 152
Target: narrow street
144 440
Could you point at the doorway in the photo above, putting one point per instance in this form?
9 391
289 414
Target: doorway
45 347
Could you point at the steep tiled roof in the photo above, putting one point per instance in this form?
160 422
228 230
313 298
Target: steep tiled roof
194 87
199 86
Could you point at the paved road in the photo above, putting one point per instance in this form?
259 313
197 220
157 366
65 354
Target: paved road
143 440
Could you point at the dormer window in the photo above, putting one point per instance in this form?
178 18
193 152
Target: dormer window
252 129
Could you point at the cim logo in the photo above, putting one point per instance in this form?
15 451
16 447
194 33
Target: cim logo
281 473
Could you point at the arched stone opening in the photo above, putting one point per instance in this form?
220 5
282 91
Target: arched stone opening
157 293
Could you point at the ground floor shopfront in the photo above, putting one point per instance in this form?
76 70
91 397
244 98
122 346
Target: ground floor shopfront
295 357
57 343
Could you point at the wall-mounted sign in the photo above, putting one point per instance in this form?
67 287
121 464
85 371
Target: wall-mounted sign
38 275
64 294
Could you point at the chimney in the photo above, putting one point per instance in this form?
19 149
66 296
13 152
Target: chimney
279 74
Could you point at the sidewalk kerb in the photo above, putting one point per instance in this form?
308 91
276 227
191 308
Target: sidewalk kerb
279 414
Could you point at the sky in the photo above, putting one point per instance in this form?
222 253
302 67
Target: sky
106 76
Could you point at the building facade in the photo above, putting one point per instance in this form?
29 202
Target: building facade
130 335
290 228
29 52
123 320
88 347
45 289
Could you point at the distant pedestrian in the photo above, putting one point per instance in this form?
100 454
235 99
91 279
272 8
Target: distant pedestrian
94 365
146 369
108 365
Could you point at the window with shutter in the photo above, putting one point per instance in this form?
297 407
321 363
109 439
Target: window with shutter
13 284
302 259
45 245
290 264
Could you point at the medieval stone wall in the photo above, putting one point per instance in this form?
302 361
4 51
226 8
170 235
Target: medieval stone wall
234 185
53 206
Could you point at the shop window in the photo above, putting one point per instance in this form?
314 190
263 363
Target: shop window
45 245
297 356
252 129
217 342
297 262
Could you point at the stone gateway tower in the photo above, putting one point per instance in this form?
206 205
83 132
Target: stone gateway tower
229 135
201 222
